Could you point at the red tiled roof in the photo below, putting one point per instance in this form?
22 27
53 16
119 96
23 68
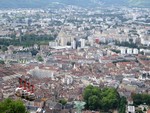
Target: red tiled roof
148 111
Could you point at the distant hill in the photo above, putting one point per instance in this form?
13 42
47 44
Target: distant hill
24 3
41 3
84 3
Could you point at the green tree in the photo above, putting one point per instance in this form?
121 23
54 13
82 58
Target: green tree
139 111
34 52
144 109
11 106
122 105
63 102
39 58
89 92
93 102
4 48
27 40
141 99
110 98
2 62
105 99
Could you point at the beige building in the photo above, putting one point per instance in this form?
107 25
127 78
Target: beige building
62 39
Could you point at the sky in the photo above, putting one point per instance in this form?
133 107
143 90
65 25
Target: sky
137 2
44 3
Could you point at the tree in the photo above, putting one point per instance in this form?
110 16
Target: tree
2 62
122 105
93 102
87 95
39 58
28 40
34 52
116 51
4 48
110 98
68 43
144 109
139 111
105 99
141 99
11 106
63 102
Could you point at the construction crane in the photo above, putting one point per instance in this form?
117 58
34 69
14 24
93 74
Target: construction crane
19 89
25 90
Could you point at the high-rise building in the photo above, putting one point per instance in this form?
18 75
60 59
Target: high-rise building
123 50
63 41
135 51
129 51
73 44
91 40
82 43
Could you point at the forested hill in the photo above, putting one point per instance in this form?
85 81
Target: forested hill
84 3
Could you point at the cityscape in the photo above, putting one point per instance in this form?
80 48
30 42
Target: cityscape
72 59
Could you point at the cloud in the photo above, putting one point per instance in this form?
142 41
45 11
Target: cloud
138 2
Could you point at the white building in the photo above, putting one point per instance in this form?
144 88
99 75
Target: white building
35 46
73 44
53 44
67 80
129 51
135 51
131 109
63 41
103 39
91 41
123 50
145 75
145 42
42 73
82 43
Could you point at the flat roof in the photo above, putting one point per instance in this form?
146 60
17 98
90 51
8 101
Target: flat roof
61 47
